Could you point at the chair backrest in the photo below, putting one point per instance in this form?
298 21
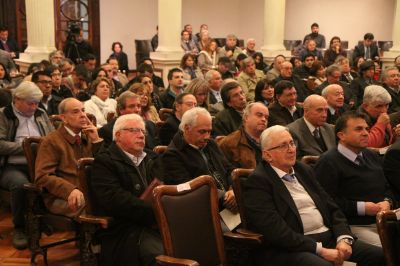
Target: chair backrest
56 120
310 159
388 225
30 146
160 149
187 215
165 112
239 177
92 119
84 166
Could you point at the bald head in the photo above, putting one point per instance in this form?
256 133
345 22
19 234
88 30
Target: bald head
315 110
286 69
334 95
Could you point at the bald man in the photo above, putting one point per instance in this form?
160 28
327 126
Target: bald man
334 95
311 133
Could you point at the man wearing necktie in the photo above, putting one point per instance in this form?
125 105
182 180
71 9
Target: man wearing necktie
367 49
366 78
7 44
334 96
354 177
300 222
313 136
58 155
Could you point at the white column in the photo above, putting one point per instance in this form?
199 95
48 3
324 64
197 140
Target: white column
169 52
40 31
389 56
274 28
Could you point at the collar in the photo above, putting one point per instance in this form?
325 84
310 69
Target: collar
309 125
281 173
19 114
215 92
72 133
136 160
346 152
331 110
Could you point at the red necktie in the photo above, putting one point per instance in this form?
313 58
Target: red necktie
77 140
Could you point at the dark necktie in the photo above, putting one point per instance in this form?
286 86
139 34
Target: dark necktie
6 47
349 77
359 160
188 46
288 177
319 140
368 54
77 140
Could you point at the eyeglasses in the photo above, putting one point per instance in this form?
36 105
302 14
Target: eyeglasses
135 130
190 104
284 146
45 82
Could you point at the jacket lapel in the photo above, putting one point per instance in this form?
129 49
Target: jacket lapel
307 135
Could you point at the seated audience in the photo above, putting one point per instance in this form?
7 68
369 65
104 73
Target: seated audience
100 104
287 74
303 71
116 73
391 168
19 119
397 62
147 82
230 119
311 133
259 61
199 88
317 76
264 92
275 70
49 102
333 75
224 66
58 154
249 77
311 49
121 56
300 222
148 111
230 49
316 36
242 147
334 96
56 57
190 69
183 103
391 82
214 80
208 57
284 110
129 103
120 175
115 84
347 73
367 49
250 47
203 39
175 80
375 106
58 89
353 176
295 61
335 50
188 45
5 79
192 153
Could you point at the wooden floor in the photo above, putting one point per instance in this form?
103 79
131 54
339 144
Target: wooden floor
63 255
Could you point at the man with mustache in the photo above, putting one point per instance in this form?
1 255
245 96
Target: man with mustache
119 176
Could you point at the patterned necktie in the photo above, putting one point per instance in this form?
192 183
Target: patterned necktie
359 160
77 140
288 177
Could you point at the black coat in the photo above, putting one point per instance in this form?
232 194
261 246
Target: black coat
358 85
12 45
226 121
394 105
359 50
391 168
300 85
115 186
167 99
279 115
271 211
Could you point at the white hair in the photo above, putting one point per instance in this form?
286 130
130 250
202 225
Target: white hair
376 93
190 117
122 121
266 135
326 90
209 75
28 91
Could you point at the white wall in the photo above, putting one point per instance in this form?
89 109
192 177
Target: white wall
127 20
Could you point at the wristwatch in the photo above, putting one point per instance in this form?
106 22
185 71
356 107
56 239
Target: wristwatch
348 241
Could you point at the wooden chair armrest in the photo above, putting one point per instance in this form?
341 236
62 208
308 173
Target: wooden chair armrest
246 239
32 187
103 221
247 232
167 261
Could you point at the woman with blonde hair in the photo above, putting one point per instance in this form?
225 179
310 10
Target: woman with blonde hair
208 58
199 88
149 112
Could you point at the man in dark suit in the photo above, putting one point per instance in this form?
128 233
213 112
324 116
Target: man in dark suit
313 136
129 103
7 44
183 102
391 82
368 49
334 96
299 85
284 110
214 79
175 79
366 78
49 102
391 168
119 176
301 223
230 119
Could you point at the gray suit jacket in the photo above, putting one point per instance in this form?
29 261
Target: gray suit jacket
306 144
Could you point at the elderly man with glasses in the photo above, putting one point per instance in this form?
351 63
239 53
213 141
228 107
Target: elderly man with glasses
301 223
120 175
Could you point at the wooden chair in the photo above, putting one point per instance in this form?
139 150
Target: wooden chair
239 177
309 159
187 215
90 223
164 113
39 220
388 224
160 149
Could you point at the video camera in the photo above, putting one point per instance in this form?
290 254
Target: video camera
73 29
